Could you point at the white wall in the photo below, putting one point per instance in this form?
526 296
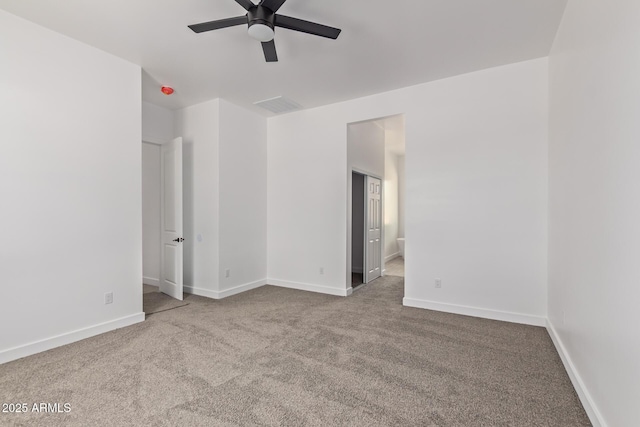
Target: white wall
151 213
70 186
594 238
225 195
199 127
476 194
365 148
243 198
476 202
391 188
157 124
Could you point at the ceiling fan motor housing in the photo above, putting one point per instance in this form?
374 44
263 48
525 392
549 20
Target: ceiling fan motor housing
261 15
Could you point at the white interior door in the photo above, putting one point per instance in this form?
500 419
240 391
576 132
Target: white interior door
171 219
373 247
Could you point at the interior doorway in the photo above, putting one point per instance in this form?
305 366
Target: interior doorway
162 219
367 228
357 229
376 237
151 202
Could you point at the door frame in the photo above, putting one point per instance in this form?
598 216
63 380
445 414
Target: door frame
351 171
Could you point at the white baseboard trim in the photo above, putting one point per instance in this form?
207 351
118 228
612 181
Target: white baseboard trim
585 398
311 288
392 257
201 292
242 288
356 270
207 293
151 281
68 338
484 313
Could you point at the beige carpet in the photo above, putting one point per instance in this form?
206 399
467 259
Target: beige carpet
276 356
149 288
156 302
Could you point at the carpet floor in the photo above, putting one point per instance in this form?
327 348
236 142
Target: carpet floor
275 356
155 302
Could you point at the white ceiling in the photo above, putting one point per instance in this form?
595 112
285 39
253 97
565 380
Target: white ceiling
384 45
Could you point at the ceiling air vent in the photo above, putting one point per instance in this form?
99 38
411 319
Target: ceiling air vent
278 105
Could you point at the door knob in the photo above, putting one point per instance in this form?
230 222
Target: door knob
179 240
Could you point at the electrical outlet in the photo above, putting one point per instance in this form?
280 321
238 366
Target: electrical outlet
227 273
108 298
321 270
438 283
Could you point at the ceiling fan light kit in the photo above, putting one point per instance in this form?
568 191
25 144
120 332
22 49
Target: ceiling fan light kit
262 19
261 25
261 32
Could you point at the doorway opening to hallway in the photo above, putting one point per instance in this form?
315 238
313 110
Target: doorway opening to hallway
375 219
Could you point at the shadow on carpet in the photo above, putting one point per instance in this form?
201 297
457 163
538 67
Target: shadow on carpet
156 302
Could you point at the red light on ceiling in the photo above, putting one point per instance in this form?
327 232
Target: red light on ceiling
167 90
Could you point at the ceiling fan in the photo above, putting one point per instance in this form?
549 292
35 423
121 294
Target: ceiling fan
262 19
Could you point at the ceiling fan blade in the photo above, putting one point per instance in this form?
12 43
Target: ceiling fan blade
269 49
247 4
306 27
272 5
220 23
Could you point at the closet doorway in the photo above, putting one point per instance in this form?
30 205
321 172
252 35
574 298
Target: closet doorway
367 228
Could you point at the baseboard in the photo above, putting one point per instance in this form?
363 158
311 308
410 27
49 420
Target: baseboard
68 338
484 313
585 398
242 288
356 270
392 257
201 292
150 281
226 292
311 288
